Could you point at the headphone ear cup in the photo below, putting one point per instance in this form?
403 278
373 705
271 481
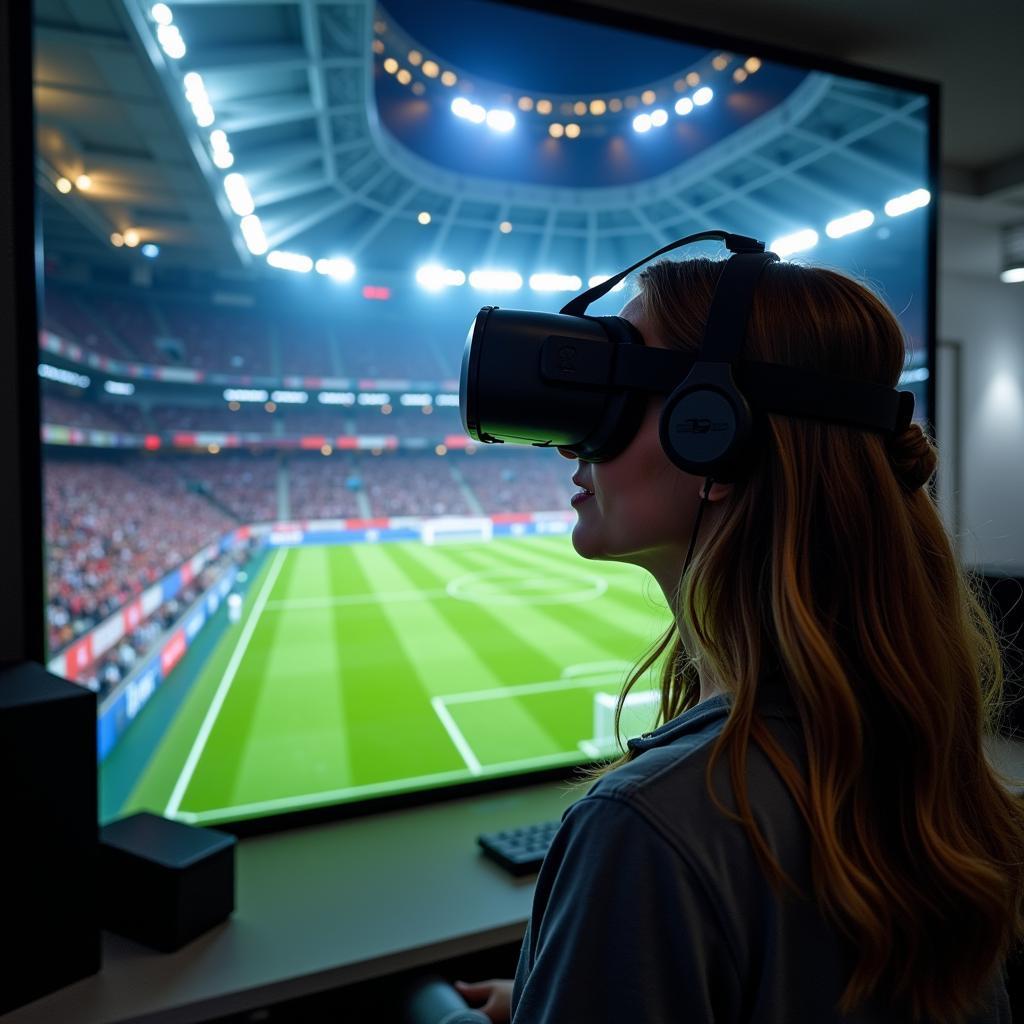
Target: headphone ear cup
706 430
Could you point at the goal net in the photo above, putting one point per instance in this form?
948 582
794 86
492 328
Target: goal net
456 529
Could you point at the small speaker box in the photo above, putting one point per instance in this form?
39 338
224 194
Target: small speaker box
164 883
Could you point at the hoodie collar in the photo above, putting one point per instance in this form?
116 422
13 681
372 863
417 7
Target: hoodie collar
772 696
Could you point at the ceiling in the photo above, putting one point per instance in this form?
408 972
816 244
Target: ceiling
299 92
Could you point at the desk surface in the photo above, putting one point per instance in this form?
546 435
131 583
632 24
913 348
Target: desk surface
326 906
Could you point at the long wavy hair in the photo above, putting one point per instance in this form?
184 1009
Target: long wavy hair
831 562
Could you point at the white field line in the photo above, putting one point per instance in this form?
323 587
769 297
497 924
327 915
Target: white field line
294 603
437 703
225 684
516 691
371 789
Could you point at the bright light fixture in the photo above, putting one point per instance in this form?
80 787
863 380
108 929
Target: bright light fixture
64 186
171 41
237 189
597 279
339 268
495 280
555 283
252 232
1012 275
423 217
294 261
161 14
684 106
796 242
501 120
659 117
910 201
131 238
434 277
703 95
851 222
150 251
642 123
84 182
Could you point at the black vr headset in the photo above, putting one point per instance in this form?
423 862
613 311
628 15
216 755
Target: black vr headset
581 382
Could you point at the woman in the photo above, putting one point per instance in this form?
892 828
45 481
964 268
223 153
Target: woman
814 833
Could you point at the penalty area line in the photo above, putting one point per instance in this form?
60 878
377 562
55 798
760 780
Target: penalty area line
437 703
227 679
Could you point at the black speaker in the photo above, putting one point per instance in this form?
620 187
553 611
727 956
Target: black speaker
49 907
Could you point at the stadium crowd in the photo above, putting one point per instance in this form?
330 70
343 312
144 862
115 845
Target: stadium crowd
111 532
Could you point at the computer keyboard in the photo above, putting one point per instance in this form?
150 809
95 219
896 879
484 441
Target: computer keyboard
519 850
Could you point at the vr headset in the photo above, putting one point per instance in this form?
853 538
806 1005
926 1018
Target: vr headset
569 380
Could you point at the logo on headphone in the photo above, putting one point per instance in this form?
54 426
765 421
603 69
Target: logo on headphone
567 359
699 425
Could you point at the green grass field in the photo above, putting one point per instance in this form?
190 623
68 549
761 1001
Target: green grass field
362 670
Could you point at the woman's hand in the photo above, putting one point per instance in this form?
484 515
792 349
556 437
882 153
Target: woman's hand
498 995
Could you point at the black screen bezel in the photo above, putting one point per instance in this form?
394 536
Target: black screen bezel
22 599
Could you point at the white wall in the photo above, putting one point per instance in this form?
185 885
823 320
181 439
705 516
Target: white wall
986 318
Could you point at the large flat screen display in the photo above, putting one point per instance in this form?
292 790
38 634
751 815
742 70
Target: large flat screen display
291 578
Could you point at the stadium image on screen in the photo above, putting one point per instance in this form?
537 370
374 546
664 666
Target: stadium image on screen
293 580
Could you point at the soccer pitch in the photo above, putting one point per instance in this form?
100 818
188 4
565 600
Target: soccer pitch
363 670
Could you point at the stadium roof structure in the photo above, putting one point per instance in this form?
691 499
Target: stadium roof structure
334 152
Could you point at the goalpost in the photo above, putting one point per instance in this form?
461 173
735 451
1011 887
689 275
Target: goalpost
456 529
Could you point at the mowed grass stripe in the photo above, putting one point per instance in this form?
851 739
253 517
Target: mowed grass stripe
457 648
622 616
536 626
531 633
154 787
213 781
389 656
299 738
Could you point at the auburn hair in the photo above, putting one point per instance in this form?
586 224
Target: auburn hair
831 562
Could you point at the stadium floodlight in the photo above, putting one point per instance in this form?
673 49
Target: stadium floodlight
296 262
905 203
222 155
171 41
119 387
659 117
796 242
289 397
501 120
850 223
194 86
245 395
76 380
495 280
252 232
703 96
415 398
462 107
336 398
373 398
555 283
150 251
338 268
684 106
434 277
446 399
642 123
597 279
224 159
161 14
239 196
1012 275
